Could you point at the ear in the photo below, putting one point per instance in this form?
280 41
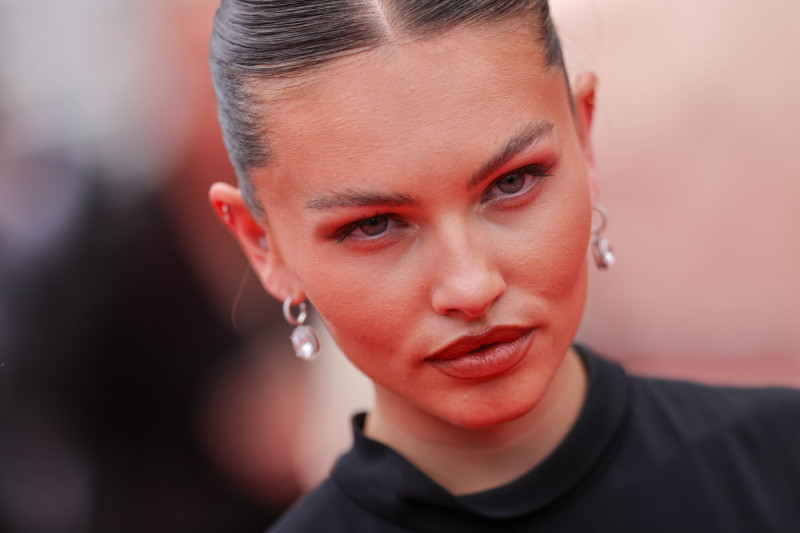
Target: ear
256 241
584 95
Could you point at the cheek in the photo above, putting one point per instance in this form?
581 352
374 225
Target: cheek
364 304
550 254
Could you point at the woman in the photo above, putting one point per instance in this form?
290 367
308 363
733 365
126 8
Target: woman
422 172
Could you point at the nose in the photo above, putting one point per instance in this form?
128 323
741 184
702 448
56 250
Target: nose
467 282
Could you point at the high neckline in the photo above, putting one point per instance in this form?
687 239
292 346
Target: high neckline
386 483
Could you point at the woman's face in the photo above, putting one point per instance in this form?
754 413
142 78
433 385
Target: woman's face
430 193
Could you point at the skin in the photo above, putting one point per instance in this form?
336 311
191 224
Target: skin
438 258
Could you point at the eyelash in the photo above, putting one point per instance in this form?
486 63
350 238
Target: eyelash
536 171
345 232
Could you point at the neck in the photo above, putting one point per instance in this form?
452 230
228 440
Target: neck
466 460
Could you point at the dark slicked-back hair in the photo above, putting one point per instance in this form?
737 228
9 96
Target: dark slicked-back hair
259 40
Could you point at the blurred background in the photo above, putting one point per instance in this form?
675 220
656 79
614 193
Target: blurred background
141 384
698 145
147 382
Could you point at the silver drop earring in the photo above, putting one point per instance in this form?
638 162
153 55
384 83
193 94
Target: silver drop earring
601 248
304 338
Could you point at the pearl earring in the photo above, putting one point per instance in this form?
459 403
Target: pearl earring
602 251
304 338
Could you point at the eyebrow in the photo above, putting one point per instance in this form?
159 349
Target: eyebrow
522 140
353 198
526 137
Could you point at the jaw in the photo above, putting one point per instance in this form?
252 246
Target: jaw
473 452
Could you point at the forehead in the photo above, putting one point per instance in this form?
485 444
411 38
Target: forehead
404 106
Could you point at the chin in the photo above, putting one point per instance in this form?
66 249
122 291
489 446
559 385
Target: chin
492 413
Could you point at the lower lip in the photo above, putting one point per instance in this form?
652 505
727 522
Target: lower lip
486 363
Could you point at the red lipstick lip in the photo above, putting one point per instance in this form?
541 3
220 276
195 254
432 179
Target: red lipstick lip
486 355
470 343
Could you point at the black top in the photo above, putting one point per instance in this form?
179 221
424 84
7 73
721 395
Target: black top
644 455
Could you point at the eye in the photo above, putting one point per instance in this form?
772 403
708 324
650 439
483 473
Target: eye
368 228
374 226
516 183
511 183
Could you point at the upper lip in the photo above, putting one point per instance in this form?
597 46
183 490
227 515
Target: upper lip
469 343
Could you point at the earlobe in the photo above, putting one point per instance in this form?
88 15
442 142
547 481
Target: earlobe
255 240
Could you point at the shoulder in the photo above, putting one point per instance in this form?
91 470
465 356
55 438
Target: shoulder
689 408
328 508
666 417
754 417
698 403
317 511
689 456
